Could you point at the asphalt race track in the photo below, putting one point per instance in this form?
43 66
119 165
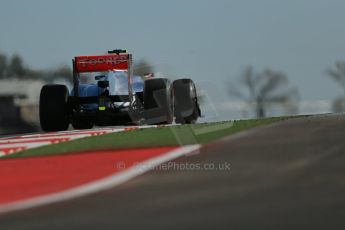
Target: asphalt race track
284 176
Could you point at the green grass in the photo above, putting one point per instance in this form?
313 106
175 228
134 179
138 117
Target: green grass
152 137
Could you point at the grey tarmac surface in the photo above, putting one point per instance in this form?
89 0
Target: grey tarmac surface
289 175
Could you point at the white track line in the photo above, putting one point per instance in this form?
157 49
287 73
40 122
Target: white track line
10 145
101 184
70 133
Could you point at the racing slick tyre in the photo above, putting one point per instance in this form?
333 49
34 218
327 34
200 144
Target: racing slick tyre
186 106
80 124
158 101
53 108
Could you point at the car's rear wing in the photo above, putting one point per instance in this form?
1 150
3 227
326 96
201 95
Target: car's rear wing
101 63
116 60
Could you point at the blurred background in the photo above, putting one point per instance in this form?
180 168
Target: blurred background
248 58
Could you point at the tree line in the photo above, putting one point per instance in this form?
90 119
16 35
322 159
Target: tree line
338 75
14 68
261 90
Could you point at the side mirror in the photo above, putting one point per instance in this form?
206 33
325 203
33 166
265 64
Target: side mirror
148 75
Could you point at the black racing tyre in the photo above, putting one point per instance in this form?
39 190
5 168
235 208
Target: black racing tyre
80 124
53 108
186 107
158 101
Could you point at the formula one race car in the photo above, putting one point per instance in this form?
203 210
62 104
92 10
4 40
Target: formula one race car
116 97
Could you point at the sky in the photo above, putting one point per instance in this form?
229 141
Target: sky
210 41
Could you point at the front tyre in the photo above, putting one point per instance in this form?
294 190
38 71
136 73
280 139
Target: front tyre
53 108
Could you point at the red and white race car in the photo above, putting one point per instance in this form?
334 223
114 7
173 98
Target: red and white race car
116 97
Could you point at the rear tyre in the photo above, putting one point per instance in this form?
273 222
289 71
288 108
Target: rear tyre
53 108
158 101
186 107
